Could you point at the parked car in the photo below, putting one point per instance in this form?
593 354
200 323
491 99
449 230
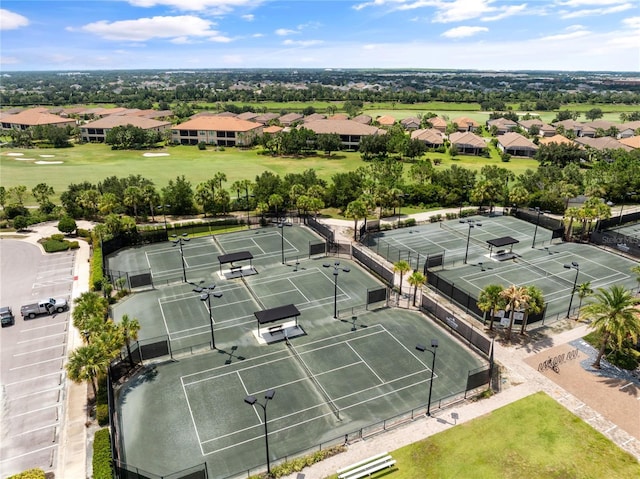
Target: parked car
6 316
44 306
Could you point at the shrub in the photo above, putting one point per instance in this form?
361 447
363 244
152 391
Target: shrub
83 233
67 224
57 237
73 244
202 146
296 465
55 246
30 474
97 276
102 414
102 463
410 222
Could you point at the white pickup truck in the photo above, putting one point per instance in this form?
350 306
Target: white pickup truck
45 306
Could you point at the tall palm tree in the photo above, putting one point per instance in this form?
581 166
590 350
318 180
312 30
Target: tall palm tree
355 210
534 305
583 290
490 300
636 270
613 314
416 279
401 267
86 363
89 305
516 298
571 213
129 329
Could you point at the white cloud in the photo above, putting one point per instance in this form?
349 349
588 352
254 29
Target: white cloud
597 11
507 12
11 20
143 29
8 60
257 35
210 6
283 32
464 31
580 3
460 10
632 22
573 32
302 43
248 17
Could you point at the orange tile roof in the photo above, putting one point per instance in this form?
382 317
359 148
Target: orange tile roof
559 139
112 121
217 123
386 120
633 141
36 116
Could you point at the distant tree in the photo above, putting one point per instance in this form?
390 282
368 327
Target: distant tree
328 142
309 110
373 146
18 194
179 194
559 154
42 193
566 115
583 290
129 329
534 305
20 222
421 171
355 210
593 114
414 148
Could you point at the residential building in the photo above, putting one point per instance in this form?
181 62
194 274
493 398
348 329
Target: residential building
314 117
559 139
290 118
410 123
438 123
431 137
467 142
632 141
265 118
350 131
603 143
247 115
385 120
516 145
466 124
364 119
579 129
96 131
216 130
503 125
544 129
33 117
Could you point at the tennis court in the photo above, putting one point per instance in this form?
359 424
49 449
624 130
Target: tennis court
328 383
200 255
545 268
416 243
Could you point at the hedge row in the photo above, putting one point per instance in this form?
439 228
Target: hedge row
102 463
29 474
97 276
297 465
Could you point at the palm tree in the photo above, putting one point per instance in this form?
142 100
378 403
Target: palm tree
614 315
534 305
89 306
355 210
401 267
636 270
571 213
583 290
133 196
416 279
516 298
129 329
86 363
490 300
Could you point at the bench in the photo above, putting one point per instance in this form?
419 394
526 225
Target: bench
500 252
235 269
366 467
275 329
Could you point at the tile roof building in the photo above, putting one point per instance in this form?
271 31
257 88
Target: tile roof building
467 142
350 131
33 117
431 137
216 130
96 131
517 145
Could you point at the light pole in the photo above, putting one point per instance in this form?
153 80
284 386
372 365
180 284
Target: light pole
575 266
400 196
336 271
179 241
164 216
281 224
471 224
434 348
252 401
205 295
535 232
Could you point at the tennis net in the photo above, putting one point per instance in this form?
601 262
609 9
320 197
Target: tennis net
482 244
253 294
545 273
311 376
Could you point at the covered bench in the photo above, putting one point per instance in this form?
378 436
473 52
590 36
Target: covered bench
366 467
236 269
278 332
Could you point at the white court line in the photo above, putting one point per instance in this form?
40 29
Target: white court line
193 420
626 385
35 364
28 453
258 246
365 363
37 350
298 290
39 338
164 320
146 255
46 325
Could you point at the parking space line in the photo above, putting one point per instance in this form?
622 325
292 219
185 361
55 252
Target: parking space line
28 453
55 424
36 410
33 379
41 338
35 364
59 388
40 327
37 350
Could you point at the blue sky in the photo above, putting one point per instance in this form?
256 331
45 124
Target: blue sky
192 34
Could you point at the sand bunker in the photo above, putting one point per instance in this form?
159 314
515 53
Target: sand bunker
46 156
41 162
155 154
24 159
15 154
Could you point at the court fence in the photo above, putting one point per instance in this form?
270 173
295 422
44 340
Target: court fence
372 264
612 239
614 221
323 230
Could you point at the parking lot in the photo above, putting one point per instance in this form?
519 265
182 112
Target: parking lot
32 354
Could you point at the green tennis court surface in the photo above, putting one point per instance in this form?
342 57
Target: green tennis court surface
341 376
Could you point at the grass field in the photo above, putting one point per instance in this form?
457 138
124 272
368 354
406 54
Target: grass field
532 438
94 162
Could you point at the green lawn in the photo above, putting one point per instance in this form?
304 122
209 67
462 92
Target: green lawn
94 162
531 438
